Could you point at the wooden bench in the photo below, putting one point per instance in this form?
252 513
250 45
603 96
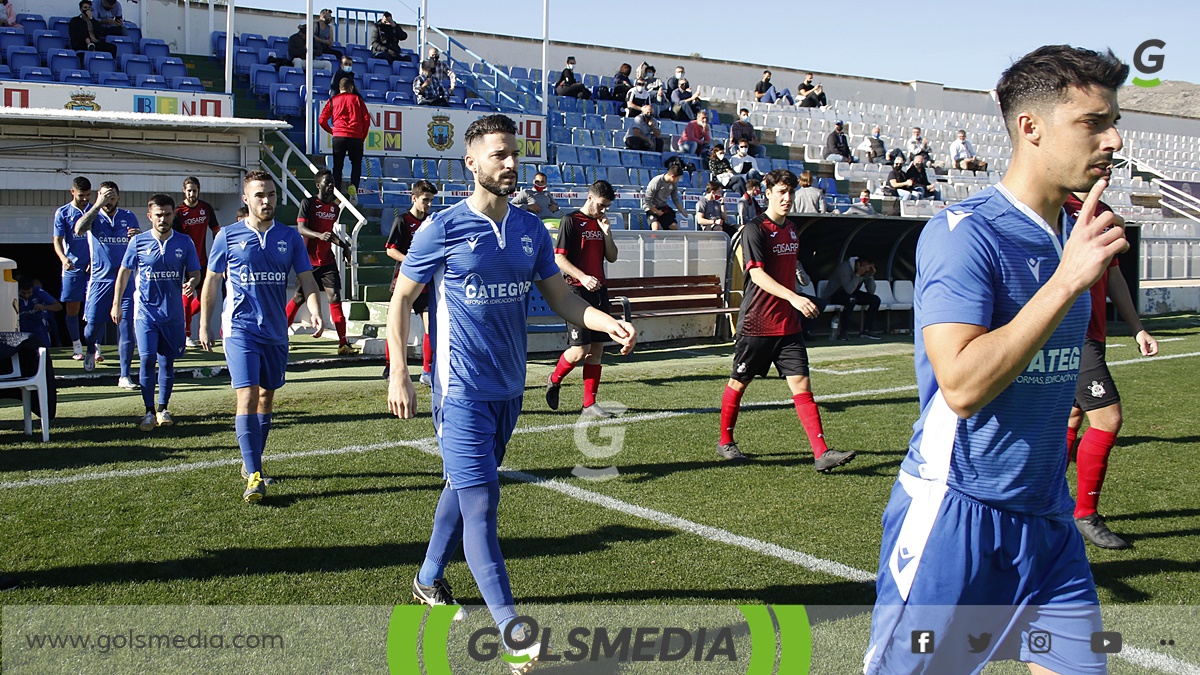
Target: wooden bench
649 298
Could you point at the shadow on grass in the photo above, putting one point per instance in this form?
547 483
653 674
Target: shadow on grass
1138 440
830 593
1113 573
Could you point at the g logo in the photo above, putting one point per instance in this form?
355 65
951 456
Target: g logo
1148 64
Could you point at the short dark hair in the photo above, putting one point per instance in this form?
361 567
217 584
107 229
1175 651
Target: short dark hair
780 176
191 180
489 124
111 185
752 183
387 14
570 58
864 260
542 174
1044 76
423 187
84 2
712 186
255 175
81 183
602 189
345 85
162 200
766 72
675 169
321 172
24 283
242 211
743 110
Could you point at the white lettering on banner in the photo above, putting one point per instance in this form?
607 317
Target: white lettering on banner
114 99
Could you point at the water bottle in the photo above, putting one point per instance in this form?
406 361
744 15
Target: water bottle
836 324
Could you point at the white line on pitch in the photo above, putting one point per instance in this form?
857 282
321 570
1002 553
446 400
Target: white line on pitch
1151 359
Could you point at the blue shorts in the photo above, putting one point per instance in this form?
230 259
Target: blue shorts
159 338
472 436
74 286
98 307
255 364
955 569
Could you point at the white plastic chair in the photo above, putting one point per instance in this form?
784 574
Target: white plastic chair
28 385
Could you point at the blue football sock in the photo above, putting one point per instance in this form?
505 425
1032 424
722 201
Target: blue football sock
146 379
249 441
73 327
481 543
443 543
264 423
126 345
90 341
166 379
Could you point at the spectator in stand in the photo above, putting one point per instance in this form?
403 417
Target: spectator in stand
918 145
862 207
684 101
872 149
298 49
428 87
710 210
815 98
697 135
538 201
8 15
567 85
962 154
644 134
638 100
722 171
659 96
673 81
345 117
110 19
622 85
809 198
898 184
385 43
921 186
837 148
853 283
765 92
742 130
82 30
346 72
441 69
323 34
659 190
743 163
806 87
748 207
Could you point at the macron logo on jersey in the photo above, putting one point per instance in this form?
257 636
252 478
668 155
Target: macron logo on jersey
1035 266
479 292
473 242
954 218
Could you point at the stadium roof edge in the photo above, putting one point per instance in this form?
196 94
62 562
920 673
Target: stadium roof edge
130 119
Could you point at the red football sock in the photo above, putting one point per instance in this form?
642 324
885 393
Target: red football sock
190 307
731 404
426 354
563 368
387 352
810 418
591 383
1072 436
291 310
1091 463
339 321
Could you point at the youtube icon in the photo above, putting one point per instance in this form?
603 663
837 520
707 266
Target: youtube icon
1106 642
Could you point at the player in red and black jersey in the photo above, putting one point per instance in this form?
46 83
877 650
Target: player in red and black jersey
584 243
196 219
1096 395
316 220
400 238
769 329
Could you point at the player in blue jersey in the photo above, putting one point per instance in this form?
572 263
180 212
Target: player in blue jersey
979 535
32 303
480 258
109 229
75 255
254 257
166 263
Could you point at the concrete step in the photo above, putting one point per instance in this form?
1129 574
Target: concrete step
374 293
376 275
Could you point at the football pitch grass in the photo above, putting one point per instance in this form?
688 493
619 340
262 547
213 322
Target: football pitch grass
106 514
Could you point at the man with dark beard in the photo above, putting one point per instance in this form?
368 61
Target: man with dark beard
482 256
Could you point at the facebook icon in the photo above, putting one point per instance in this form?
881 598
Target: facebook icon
922 642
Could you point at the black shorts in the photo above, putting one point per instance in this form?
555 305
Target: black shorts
665 220
329 279
1095 388
421 304
753 356
581 336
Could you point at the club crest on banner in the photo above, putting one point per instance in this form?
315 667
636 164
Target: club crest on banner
441 133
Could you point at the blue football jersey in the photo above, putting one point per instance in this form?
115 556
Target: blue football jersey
979 262
109 238
160 268
480 274
256 266
77 248
34 320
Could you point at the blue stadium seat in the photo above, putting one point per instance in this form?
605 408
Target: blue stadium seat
36 74
123 44
379 67
395 167
277 44
560 135
20 58
31 22
151 82
169 67
61 59
12 37
322 81
153 48
99 62
593 122
187 84
377 83
610 157
217 42
519 73
553 174
397 83
265 55
573 120
274 90
456 170
113 79
581 137
614 122
242 60
401 98
478 104
587 155
526 172
5 72
566 154
779 164
287 101
629 159
617 175
292 76
651 160
75 76
134 65
424 168
405 69
61 24
253 42
373 96
359 53
46 41
262 77
133 32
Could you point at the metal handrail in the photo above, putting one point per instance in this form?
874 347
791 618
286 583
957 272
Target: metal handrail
1186 199
285 178
496 72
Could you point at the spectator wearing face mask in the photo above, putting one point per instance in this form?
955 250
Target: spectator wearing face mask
722 171
862 207
567 85
644 134
8 15
83 32
684 101
697 136
742 130
659 96
536 200
345 72
743 163
815 98
638 100
872 149
837 148
622 84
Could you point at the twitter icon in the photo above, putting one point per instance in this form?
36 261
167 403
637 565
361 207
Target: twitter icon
978 644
